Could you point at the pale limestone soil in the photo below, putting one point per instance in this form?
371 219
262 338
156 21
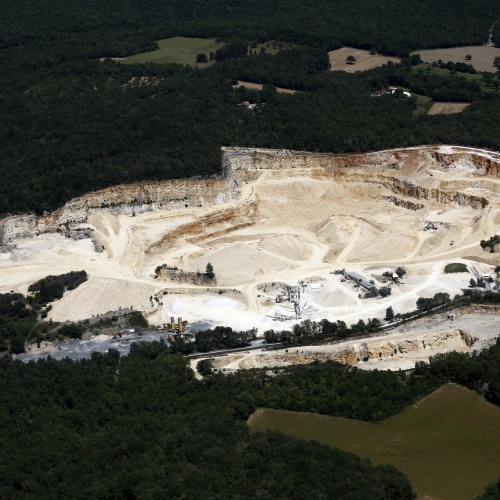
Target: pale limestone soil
288 224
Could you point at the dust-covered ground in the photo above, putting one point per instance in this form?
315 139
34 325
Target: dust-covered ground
288 224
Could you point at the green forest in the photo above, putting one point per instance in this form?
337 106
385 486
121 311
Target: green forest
142 427
70 123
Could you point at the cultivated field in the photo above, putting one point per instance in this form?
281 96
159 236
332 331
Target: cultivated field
447 443
482 56
178 49
364 60
447 108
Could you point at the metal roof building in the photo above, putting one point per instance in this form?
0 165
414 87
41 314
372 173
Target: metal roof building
361 280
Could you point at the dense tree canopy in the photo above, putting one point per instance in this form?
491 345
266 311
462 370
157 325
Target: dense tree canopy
141 427
82 126
70 124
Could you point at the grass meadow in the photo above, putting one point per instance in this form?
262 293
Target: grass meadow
178 49
184 50
429 68
448 443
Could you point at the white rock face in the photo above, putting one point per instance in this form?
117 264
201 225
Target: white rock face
242 164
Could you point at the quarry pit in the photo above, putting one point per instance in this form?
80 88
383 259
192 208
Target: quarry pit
273 217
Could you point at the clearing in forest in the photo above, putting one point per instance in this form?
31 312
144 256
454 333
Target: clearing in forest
482 56
447 108
258 86
178 49
448 443
364 60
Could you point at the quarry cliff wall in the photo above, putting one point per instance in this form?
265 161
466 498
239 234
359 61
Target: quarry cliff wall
240 165
127 199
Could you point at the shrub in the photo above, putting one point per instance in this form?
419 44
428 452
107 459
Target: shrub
73 331
204 367
456 267
400 271
136 318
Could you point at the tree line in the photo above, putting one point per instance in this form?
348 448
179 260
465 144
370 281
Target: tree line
334 389
80 126
213 339
141 426
69 31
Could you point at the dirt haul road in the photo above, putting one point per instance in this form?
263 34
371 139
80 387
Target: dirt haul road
275 217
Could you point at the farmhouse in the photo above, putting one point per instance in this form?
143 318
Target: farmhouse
383 92
388 91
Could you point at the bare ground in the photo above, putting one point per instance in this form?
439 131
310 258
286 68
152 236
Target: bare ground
289 223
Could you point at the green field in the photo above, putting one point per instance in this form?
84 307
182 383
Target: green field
456 267
424 103
429 68
448 443
178 49
184 50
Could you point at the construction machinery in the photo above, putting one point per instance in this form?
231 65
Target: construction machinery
291 293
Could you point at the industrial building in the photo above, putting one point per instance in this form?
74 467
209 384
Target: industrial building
357 278
292 294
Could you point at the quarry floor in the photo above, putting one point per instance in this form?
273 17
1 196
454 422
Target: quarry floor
287 225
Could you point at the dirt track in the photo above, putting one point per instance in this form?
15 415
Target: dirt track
297 217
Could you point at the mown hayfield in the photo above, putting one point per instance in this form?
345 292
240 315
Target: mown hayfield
258 86
364 60
178 49
448 443
482 56
447 108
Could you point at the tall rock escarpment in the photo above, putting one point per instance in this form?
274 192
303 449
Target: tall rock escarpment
400 171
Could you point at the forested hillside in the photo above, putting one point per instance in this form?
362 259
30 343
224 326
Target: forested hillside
81 126
141 426
70 123
116 28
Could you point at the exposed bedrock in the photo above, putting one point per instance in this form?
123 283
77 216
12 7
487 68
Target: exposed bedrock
241 165
419 345
345 356
126 199
409 205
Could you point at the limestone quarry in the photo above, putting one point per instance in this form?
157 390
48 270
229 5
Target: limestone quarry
395 348
272 217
